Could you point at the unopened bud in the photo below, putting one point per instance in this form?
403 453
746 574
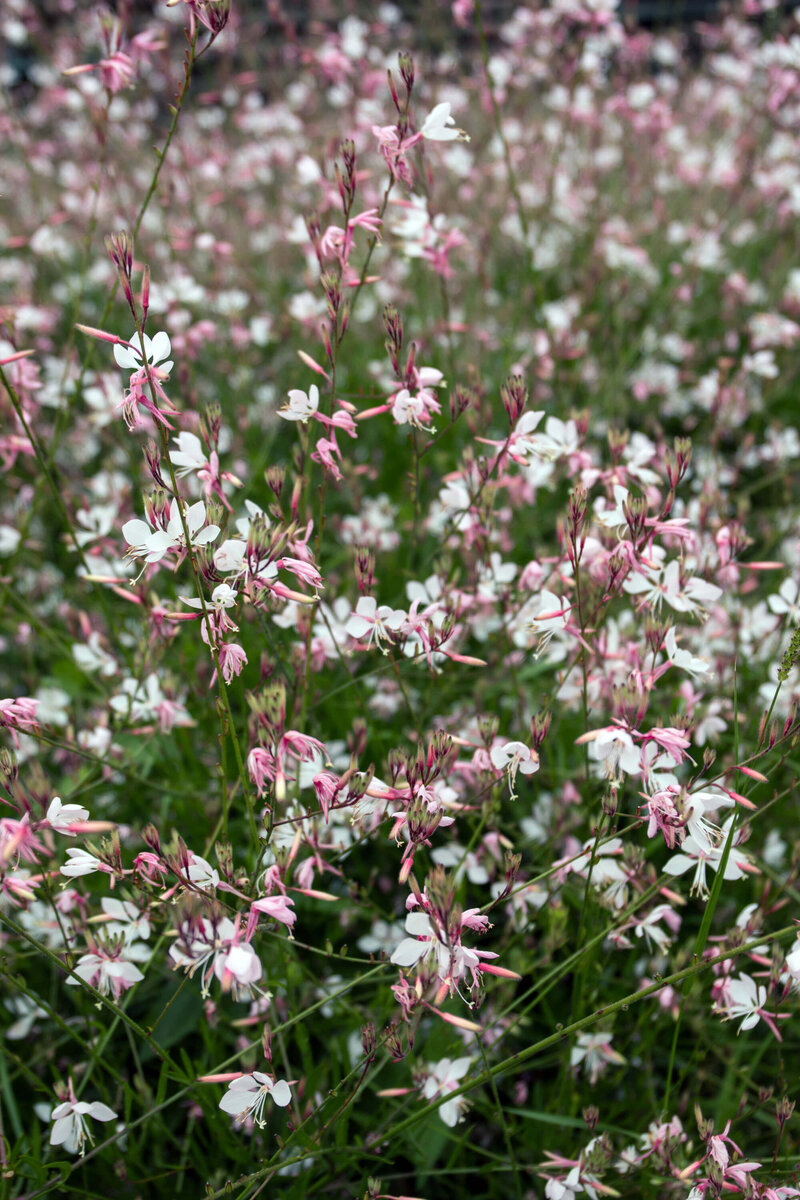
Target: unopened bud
394 1044
120 250
514 395
150 836
610 802
540 727
635 512
224 853
617 441
783 1110
461 398
406 65
365 568
9 770
368 1040
275 477
357 737
152 456
145 294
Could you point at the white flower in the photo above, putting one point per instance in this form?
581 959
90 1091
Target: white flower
786 602
189 456
202 874
594 1051
230 556
91 656
684 658
513 757
27 1012
559 439
688 595
61 816
609 516
614 748
152 544
445 1076
703 832
247 1096
761 363
548 615
156 350
696 854
97 521
744 999
81 863
9 539
109 974
411 950
223 595
69 1123
792 964
437 126
129 922
301 405
378 623
239 963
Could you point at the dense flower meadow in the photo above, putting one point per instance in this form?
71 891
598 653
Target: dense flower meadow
400 567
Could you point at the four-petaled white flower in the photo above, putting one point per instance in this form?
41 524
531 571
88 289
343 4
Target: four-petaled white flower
152 544
513 757
744 998
412 949
445 1076
61 816
202 874
595 1052
111 970
378 623
81 862
301 405
439 126
190 455
223 596
128 921
156 350
240 965
699 855
785 603
684 658
247 1096
69 1123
